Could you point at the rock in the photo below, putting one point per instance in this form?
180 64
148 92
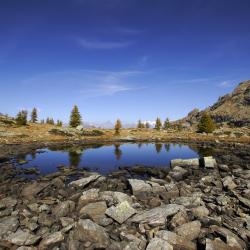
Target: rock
66 221
223 167
8 224
190 230
88 196
209 162
231 239
135 242
139 186
79 128
51 240
31 190
217 244
179 219
23 238
159 244
228 183
244 201
8 202
178 173
200 211
45 219
113 198
84 181
157 216
189 202
176 241
64 131
96 210
172 191
88 231
121 212
185 163
64 208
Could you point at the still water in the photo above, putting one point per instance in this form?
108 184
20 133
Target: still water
106 158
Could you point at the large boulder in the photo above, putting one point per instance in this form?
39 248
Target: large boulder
8 224
51 240
139 186
185 162
64 208
190 230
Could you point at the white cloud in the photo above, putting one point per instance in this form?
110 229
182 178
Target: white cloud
95 44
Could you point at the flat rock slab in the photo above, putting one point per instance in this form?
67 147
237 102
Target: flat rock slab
84 181
139 186
190 230
157 216
121 212
185 162
8 224
209 162
51 240
31 190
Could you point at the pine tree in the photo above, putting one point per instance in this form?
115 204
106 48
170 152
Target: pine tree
118 126
166 124
140 124
158 123
34 115
21 118
75 117
206 124
147 125
42 121
59 123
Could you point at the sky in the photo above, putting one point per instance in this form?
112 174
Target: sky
127 59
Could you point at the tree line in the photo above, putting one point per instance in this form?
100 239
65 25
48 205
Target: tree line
206 123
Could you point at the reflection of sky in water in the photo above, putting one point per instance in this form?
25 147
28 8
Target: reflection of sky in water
108 158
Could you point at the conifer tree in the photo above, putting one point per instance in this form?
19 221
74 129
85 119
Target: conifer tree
206 124
158 123
75 117
140 124
166 124
34 115
42 121
21 118
147 125
59 123
118 126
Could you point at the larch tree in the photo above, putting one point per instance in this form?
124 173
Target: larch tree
166 124
75 117
206 124
158 123
118 126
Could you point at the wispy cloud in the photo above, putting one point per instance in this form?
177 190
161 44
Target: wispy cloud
88 83
96 44
226 84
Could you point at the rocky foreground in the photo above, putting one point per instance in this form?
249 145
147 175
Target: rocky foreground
196 204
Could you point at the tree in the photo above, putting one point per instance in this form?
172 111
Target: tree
50 121
21 118
34 115
147 125
118 126
59 123
75 117
158 123
140 124
206 124
166 124
42 121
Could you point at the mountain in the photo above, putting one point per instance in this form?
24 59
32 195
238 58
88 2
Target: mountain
232 109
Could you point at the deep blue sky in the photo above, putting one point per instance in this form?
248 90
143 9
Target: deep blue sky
121 58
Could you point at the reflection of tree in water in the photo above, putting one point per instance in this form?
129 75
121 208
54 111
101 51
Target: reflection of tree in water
167 147
203 151
33 155
21 158
118 152
75 156
158 147
139 145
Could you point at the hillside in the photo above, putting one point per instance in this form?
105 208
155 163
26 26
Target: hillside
231 109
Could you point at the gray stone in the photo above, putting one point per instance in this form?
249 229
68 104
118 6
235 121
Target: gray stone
178 173
157 216
121 212
51 240
139 186
84 181
200 211
64 208
189 201
185 162
228 183
209 162
159 244
66 221
31 190
176 241
8 224
8 202
96 210
23 238
190 230
172 191
88 196
87 230
218 244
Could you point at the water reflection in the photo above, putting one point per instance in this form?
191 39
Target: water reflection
117 152
158 147
167 147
